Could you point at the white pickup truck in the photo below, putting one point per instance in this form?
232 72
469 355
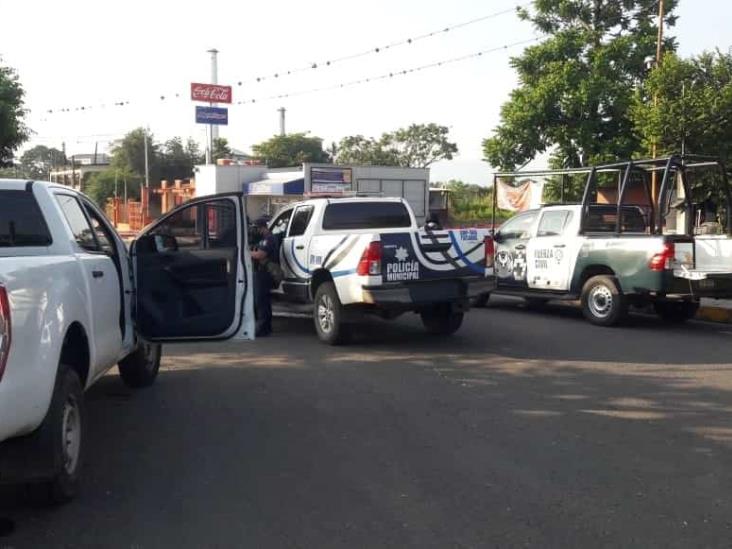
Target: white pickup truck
343 257
74 303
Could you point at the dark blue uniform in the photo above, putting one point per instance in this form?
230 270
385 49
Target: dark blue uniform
263 285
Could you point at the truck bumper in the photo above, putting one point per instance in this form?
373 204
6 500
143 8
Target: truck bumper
416 294
702 284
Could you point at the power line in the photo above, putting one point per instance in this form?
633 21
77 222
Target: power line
288 72
388 75
352 83
376 49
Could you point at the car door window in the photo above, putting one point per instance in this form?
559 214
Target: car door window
279 227
553 223
181 231
101 231
518 227
300 220
199 227
78 222
221 225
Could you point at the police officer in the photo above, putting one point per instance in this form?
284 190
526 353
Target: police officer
266 250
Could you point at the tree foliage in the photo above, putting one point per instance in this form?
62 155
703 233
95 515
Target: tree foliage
416 146
221 148
13 131
128 155
692 108
293 149
365 151
577 86
37 163
177 160
470 204
170 160
102 186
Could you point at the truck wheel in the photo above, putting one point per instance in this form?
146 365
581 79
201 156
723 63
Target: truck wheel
603 303
140 368
481 301
328 315
441 320
676 312
65 423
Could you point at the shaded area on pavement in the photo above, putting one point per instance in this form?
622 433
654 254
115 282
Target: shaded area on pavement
524 429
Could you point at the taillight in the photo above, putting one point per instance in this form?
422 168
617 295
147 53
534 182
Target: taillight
490 251
370 263
5 330
662 260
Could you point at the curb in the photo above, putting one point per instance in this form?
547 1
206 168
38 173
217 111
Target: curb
715 314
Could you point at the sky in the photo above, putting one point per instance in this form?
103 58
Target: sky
95 52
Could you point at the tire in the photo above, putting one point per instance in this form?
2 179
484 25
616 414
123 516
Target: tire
481 301
328 315
140 368
535 303
65 422
676 312
440 320
603 303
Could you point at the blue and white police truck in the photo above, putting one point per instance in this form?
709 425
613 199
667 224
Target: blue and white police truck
348 256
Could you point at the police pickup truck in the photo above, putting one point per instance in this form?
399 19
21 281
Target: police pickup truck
612 256
343 257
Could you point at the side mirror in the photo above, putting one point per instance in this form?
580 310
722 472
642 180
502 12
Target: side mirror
498 237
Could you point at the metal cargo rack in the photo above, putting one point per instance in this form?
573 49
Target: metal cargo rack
669 167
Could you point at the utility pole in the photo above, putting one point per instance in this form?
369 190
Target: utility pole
147 165
213 129
281 110
659 53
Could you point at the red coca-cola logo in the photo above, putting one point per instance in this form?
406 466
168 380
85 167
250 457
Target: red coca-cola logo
211 93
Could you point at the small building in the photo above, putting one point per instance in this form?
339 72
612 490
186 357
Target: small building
268 189
78 169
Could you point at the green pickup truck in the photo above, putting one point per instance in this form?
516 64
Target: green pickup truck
612 256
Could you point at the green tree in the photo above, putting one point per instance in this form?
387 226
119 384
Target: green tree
101 186
13 131
420 145
577 86
417 146
37 163
221 148
128 156
293 149
365 151
176 160
692 108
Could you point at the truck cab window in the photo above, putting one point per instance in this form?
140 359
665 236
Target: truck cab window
104 237
21 221
78 222
518 227
553 223
300 221
279 226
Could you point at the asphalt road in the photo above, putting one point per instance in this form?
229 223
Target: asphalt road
524 430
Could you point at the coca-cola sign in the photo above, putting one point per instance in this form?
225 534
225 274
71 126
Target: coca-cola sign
210 93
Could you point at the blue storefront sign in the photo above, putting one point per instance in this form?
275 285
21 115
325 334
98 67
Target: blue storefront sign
212 115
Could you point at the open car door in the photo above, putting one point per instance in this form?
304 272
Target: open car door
193 276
